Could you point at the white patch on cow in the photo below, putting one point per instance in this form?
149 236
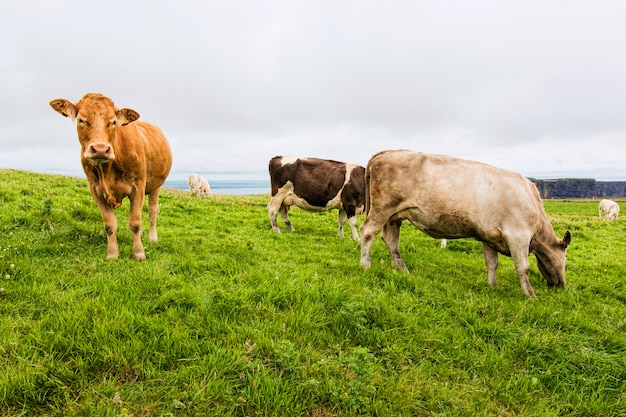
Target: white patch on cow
287 160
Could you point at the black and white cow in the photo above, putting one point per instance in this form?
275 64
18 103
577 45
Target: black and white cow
316 185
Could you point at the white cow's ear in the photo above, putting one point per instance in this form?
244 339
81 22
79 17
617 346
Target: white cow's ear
64 107
126 116
567 239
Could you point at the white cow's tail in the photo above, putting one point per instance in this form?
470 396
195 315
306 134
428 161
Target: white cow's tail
367 190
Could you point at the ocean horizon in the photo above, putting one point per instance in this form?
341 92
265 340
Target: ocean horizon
222 186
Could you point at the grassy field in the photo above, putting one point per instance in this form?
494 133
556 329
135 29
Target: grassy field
227 318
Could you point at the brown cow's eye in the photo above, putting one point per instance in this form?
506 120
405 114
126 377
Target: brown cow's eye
112 123
83 122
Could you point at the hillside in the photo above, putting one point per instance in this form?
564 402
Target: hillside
227 318
580 188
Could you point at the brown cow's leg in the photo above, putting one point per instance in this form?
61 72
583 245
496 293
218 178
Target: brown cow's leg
491 261
134 222
153 212
110 223
391 237
110 226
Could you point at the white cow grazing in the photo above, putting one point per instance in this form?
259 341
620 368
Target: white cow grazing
610 208
452 198
199 186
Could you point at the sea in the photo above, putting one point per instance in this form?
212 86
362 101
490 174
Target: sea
226 186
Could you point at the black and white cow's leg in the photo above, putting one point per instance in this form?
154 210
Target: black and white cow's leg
391 237
352 223
283 213
272 210
491 261
350 214
343 216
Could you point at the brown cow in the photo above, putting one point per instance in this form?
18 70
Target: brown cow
451 198
120 159
316 185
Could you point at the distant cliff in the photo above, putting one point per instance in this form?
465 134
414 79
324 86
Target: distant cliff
580 188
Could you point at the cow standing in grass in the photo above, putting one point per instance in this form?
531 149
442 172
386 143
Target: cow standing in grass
121 158
451 198
316 185
198 185
609 208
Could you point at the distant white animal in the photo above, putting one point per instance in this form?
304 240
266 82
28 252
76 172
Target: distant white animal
610 208
199 186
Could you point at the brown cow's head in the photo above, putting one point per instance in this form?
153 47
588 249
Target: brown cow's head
96 119
551 262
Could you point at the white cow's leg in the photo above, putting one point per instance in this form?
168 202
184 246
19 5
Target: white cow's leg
491 261
134 223
522 266
373 223
343 216
391 237
444 243
153 213
369 230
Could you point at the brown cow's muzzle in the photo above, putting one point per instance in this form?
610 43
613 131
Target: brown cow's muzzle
99 153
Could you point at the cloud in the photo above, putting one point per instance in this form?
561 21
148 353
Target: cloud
532 86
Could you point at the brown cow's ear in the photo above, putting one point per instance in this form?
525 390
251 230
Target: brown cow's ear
64 107
127 116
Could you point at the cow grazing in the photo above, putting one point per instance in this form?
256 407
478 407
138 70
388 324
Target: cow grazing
609 208
121 158
198 185
316 185
452 198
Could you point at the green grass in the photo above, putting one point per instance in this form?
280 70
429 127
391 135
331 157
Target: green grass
227 318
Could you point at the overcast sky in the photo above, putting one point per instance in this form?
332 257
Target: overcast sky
538 87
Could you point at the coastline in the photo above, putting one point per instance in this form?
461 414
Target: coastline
231 187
